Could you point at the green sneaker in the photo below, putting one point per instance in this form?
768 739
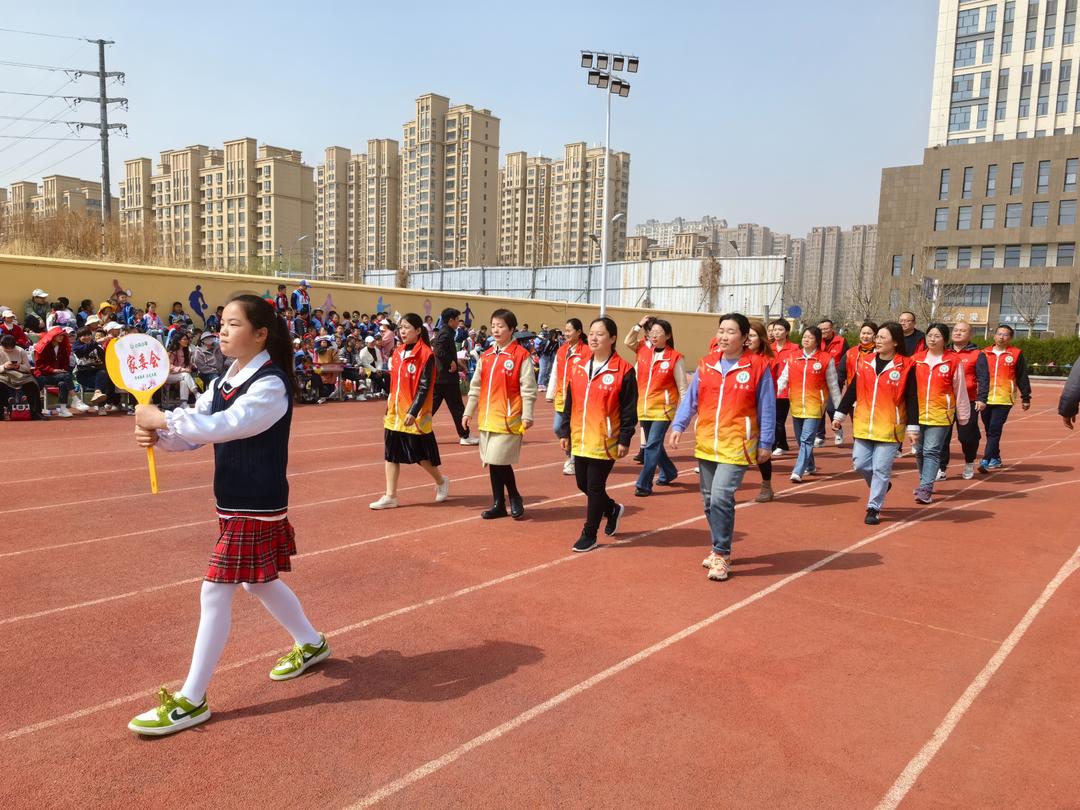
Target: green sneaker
299 659
173 713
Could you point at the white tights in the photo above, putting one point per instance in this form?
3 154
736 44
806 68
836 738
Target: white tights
215 620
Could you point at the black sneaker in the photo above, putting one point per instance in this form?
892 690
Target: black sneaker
584 543
517 508
612 524
642 493
872 518
497 510
639 458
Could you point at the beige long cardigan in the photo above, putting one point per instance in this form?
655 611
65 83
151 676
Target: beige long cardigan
503 448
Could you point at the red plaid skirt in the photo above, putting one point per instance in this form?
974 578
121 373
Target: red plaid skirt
251 550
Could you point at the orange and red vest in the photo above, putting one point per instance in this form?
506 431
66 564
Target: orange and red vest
937 396
1002 375
854 355
880 413
658 394
808 387
566 359
727 417
968 359
405 373
596 418
500 405
782 356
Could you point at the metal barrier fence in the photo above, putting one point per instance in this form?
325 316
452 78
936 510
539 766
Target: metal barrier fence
753 285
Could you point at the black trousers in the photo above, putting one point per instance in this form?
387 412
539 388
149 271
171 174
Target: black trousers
592 475
30 390
969 436
994 418
451 394
783 408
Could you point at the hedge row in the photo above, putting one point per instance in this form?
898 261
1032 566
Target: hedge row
1048 356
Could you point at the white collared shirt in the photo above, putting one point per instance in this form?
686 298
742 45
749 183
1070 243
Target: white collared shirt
261 406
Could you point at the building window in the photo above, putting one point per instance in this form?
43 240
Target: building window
969 176
987 257
963 258
941 258
1014 212
970 295
991 180
965 54
897 265
989 215
1067 212
1012 255
943 187
1040 214
1038 256
963 218
1044 177
967 22
1017 184
1065 255
941 219
1070 174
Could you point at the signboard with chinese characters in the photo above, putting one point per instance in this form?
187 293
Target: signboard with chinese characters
144 363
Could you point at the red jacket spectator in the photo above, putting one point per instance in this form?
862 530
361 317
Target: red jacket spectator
50 357
10 326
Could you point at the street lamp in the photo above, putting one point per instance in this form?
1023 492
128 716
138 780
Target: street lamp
599 67
291 249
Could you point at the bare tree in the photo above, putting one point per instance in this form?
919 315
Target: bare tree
709 279
866 299
1030 300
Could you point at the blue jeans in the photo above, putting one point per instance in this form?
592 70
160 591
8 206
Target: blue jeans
874 461
545 369
718 485
655 456
932 442
556 426
994 418
805 432
830 410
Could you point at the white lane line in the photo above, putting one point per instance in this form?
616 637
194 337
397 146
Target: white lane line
428 768
906 781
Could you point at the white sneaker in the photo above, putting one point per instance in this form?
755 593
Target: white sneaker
470 441
969 471
777 453
442 491
63 412
568 466
838 437
385 502
79 405
796 478
819 442
941 476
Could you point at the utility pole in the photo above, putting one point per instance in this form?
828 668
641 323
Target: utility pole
103 102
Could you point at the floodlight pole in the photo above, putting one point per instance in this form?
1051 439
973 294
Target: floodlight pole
605 228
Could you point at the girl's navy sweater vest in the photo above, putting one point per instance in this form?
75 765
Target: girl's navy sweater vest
249 474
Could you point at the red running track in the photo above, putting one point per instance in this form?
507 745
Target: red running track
927 662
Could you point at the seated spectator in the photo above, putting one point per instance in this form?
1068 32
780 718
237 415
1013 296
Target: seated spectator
89 361
181 366
309 386
178 317
208 359
371 364
9 326
16 375
106 312
36 311
60 314
52 364
86 309
349 356
213 322
151 321
125 311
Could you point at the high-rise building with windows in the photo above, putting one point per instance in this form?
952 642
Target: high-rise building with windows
449 186
579 182
1005 69
524 211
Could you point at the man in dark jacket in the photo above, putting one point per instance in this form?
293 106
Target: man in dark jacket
1070 397
447 378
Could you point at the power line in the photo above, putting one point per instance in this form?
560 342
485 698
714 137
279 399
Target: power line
11 169
39 95
35 67
40 34
31 120
45 138
77 152
35 130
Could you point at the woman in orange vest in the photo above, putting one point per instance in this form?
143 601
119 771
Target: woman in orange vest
1008 377
882 400
573 351
601 416
860 352
407 425
810 380
782 349
733 397
501 395
661 378
943 396
757 342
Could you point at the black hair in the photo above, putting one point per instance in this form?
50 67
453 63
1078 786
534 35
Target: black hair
666 326
7 341
1012 332
507 317
86 302
417 323
86 330
609 325
782 323
942 328
281 286
740 319
908 312
449 314
813 330
63 301
575 323
826 320
177 304
896 332
261 314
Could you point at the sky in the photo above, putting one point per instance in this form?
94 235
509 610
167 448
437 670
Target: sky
781 113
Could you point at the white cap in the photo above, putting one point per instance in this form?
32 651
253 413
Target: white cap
38 293
93 319
7 313
111 325
369 339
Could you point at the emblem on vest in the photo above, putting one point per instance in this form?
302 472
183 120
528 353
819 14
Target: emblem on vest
508 365
1008 359
410 368
665 365
943 369
817 367
894 375
744 377
608 379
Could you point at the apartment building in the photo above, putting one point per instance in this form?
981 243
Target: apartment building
60 192
137 195
525 206
579 183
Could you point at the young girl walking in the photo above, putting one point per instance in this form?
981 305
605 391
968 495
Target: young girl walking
661 377
733 397
502 395
810 379
601 416
246 415
757 342
882 399
943 396
407 425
